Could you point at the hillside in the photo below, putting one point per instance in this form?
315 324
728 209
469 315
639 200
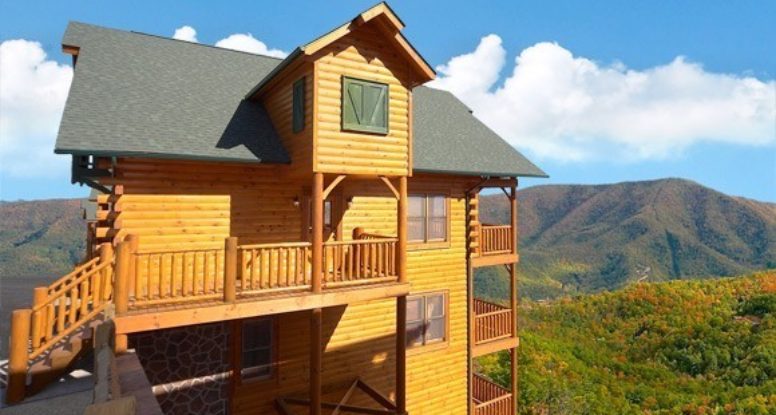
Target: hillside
578 238
680 347
41 239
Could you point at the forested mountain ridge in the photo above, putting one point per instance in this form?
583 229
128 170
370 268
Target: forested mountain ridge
41 238
679 347
585 238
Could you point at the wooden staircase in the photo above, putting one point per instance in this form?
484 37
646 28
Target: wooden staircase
47 339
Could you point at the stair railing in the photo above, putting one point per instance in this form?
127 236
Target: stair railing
56 313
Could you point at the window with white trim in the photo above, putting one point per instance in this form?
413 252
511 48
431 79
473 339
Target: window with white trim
426 319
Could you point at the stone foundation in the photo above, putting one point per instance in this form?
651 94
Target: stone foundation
188 366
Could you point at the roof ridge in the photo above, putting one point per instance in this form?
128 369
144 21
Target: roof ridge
135 32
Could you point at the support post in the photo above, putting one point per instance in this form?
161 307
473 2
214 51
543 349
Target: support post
102 286
401 255
513 291
230 269
39 296
513 363
316 356
17 355
401 354
317 225
513 216
134 243
121 288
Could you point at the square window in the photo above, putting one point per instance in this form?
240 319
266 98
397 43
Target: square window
256 356
298 105
427 218
364 106
426 319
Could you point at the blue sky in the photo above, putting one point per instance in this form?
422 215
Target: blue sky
725 44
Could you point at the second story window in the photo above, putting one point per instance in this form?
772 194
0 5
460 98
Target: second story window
298 106
364 106
427 218
426 319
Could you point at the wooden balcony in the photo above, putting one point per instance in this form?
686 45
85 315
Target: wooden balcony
489 398
196 286
493 328
495 245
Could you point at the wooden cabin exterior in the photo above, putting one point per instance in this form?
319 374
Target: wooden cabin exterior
312 248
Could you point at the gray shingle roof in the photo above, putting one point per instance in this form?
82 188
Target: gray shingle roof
138 94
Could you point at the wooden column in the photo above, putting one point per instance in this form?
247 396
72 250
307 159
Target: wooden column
513 215
103 289
39 296
134 243
230 269
316 356
17 355
401 255
121 288
513 291
317 228
401 354
401 302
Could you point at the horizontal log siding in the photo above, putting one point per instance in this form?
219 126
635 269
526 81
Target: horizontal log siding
278 101
195 205
363 54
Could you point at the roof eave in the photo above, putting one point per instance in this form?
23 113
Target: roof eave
541 175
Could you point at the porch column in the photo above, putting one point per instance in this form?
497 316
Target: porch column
401 302
513 290
316 352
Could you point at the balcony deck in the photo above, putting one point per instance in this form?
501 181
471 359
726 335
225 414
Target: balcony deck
180 287
493 328
489 398
495 246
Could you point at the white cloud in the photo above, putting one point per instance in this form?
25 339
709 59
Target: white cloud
186 33
570 108
33 91
247 43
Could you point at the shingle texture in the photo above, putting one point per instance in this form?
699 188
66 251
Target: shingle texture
137 94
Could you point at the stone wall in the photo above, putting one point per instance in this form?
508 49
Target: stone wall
188 366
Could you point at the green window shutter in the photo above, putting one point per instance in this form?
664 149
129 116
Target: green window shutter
364 106
298 106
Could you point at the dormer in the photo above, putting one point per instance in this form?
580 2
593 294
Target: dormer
343 102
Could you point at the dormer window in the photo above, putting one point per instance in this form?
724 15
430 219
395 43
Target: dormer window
298 106
364 106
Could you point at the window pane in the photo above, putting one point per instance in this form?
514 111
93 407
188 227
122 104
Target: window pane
437 229
435 305
416 208
327 213
435 330
416 229
256 333
414 309
437 207
415 333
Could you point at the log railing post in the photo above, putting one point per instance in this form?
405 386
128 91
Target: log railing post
124 260
134 243
39 296
230 269
103 287
317 237
17 355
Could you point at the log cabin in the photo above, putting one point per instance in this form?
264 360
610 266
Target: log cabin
287 236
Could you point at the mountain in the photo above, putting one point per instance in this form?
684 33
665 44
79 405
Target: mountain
678 347
580 238
41 238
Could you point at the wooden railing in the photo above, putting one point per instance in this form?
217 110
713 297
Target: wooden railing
496 239
490 398
274 267
359 262
173 276
57 311
491 321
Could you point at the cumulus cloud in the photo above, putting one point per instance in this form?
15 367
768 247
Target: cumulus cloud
186 33
247 43
569 108
33 91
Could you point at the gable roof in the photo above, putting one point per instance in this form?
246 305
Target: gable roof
135 94
387 21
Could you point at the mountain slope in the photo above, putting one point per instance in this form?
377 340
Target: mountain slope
680 347
41 238
588 238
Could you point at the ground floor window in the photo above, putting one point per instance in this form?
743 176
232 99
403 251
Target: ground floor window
257 354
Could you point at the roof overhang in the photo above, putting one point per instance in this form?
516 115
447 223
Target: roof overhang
385 19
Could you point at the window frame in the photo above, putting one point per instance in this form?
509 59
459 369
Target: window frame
298 125
433 243
351 127
427 346
239 345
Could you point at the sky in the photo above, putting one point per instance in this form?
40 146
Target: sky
592 92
